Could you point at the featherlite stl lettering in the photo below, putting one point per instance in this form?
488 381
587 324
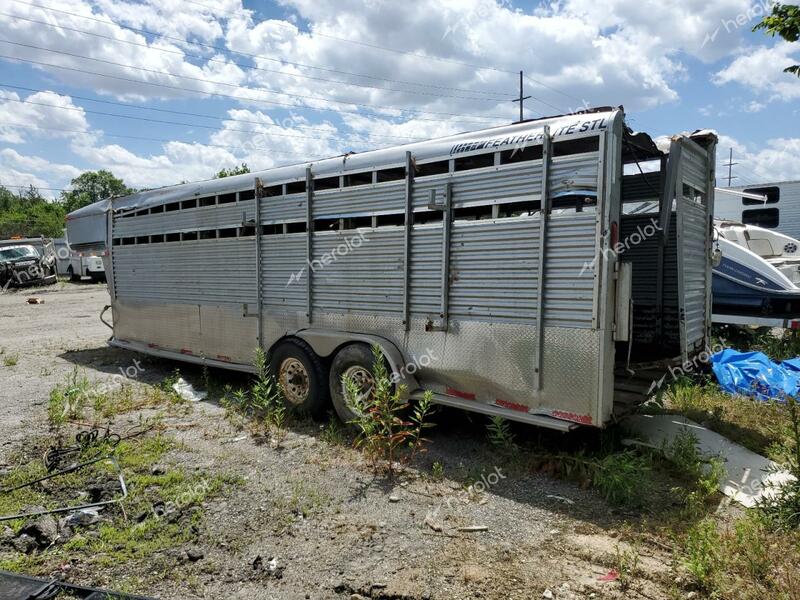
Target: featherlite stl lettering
530 138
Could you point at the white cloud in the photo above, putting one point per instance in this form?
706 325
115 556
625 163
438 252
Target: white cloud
761 71
777 160
45 110
19 170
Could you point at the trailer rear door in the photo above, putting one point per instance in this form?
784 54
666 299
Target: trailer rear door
694 199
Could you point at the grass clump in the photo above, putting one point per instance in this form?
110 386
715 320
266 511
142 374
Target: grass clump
384 432
68 400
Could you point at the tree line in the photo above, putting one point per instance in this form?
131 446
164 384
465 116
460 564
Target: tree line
28 213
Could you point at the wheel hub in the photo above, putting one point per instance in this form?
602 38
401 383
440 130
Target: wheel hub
294 380
361 377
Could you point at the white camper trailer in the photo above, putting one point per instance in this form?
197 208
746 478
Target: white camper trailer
768 205
494 268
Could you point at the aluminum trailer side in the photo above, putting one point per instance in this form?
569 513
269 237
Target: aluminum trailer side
486 265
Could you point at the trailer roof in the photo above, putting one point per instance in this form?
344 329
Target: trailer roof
515 135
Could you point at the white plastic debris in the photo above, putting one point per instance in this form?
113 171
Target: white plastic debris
748 476
186 390
84 517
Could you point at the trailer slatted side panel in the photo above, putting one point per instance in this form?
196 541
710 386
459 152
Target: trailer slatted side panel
367 279
280 209
493 269
426 270
569 278
186 219
694 167
491 184
218 271
284 270
694 269
379 198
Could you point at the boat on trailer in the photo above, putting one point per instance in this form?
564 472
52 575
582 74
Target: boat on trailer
757 276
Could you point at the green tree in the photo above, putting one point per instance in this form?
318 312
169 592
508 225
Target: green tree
240 170
785 22
29 214
92 186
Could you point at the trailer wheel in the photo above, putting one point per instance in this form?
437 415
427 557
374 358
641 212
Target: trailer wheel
302 377
354 362
72 275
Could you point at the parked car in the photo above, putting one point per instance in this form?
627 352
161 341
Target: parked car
23 265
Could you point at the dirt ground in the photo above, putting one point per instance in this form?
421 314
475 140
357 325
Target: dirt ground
315 510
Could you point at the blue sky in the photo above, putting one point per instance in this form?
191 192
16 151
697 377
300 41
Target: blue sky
321 77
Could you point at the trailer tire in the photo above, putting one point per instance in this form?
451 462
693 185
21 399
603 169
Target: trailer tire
72 275
357 361
302 376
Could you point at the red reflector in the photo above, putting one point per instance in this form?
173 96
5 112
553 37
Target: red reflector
186 351
225 358
153 346
460 394
575 418
614 235
795 325
511 405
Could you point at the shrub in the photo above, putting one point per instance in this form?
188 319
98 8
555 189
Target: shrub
384 432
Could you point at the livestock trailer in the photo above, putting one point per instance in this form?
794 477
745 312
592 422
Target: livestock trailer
488 266
772 205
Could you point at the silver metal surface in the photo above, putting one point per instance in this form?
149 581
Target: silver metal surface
529 309
544 212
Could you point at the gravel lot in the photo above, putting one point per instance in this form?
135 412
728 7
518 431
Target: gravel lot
332 527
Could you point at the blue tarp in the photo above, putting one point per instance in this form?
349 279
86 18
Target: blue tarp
754 374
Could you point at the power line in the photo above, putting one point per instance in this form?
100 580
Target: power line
418 55
251 55
36 187
558 91
474 118
165 122
202 115
250 67
149 139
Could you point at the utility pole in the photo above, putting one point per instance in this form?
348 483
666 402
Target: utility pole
730 165
521 98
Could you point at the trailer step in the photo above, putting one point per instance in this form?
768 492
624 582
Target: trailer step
488 409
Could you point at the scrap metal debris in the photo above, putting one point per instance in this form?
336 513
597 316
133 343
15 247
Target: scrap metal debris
71 469
33 300
84 439
14 586
748 476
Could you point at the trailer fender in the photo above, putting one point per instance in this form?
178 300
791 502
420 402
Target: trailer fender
325 342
